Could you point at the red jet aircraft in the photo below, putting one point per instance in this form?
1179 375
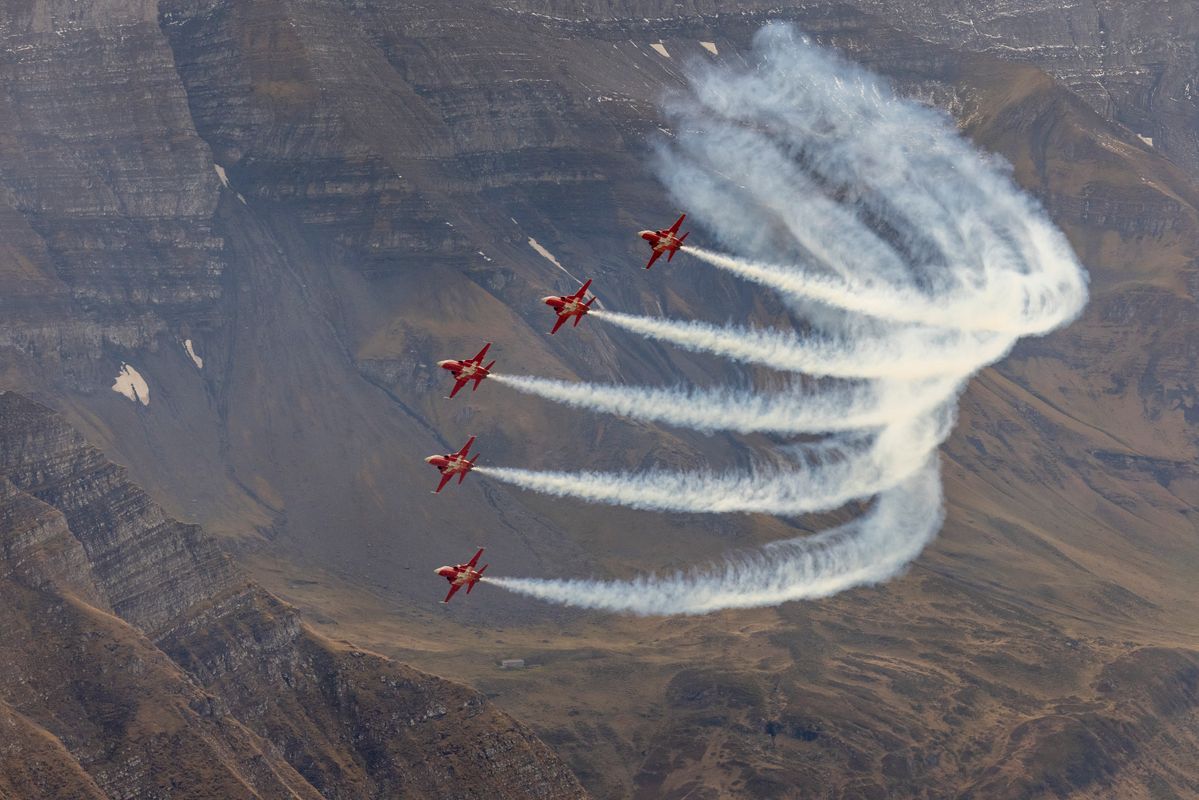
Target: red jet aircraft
452 464
570 305
461 575
470 370
664 241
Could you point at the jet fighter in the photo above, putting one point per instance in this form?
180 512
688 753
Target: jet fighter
452 464
469 370
461 575
664 241
571 305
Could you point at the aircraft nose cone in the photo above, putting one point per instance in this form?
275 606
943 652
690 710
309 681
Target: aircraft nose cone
549 300
444 364
647 235
430 459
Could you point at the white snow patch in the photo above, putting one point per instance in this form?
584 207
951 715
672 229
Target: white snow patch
199 362
1146 139
710 47
220 173
242 199
130 383
485 256
660 49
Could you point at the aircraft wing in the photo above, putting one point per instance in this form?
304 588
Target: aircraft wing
653 258
458 385
675 227
558 324
445 478
475 560
466 446
582 291
453 588
479 358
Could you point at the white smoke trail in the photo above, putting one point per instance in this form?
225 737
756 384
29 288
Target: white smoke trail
1016 308
895 453
924 262
868 550
887 355
794 411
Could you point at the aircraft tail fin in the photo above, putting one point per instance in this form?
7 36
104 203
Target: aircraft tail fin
476 580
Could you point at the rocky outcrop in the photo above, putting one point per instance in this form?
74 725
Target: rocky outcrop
138 662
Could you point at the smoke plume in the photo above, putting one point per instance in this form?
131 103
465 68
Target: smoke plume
915 262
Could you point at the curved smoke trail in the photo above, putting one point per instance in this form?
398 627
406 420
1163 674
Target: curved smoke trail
856 355
794 411
868 550
915 262
895 453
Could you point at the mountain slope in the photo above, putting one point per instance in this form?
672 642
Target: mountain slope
138 660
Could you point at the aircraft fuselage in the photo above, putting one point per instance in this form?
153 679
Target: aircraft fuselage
661 241
448 464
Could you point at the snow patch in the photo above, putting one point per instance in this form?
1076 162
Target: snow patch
130 383
220 173
710 47
660 49
199 362
1146 139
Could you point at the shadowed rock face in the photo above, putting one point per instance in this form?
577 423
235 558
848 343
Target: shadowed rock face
383 167
138 661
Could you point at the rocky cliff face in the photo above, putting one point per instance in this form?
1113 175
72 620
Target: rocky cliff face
138 662
1134 63
320 199
108 193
